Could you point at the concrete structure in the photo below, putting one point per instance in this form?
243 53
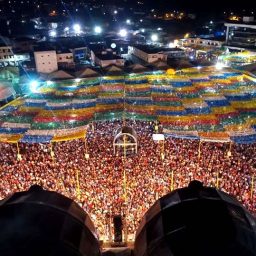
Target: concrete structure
200 42
248 19
65 59
241 36
107 58
9 58
24 44
46 61
150 54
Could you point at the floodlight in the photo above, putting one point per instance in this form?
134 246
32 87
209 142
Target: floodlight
53 33
34 86
154 37
219 65
77 28
97 29
123 32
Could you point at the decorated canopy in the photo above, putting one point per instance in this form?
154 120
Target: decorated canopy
201 104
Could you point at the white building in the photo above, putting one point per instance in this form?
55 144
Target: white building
65 57
10 58
106 58
241 36
146 54
46 61
200 42
150 54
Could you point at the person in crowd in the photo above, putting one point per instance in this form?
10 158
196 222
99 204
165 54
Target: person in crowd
105 184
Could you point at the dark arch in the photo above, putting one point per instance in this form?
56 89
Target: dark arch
130 133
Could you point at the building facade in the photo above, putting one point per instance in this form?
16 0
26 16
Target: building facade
106 58
46 61
151 54
9 58
242 36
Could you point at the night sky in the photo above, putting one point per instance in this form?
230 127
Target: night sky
203 5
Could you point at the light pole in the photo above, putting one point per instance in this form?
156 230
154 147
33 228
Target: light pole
199 149
252 187
19 158
78 192
86 155
125 188
51 151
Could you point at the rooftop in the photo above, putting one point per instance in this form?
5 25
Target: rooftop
108 56
155 49
241 24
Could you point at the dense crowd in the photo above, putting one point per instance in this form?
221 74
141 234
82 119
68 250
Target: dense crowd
105 184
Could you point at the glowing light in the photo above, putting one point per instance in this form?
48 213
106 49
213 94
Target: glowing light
186 35
77 80
219 65
143 30
49 82
154 37
34 86
173 44
77 28
123 33
128 21
199 67
53 33
66 29
115 11
113 45
97 29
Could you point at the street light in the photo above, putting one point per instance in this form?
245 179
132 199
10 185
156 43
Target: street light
77 28
123 32
97 29
219 66
113 45
53 33
34 86
154 37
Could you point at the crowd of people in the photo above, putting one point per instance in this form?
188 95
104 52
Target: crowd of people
107 184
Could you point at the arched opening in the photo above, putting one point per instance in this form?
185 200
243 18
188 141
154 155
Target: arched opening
125 141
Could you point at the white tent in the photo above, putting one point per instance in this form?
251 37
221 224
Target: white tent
87 72
113 70
137 68
59 75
